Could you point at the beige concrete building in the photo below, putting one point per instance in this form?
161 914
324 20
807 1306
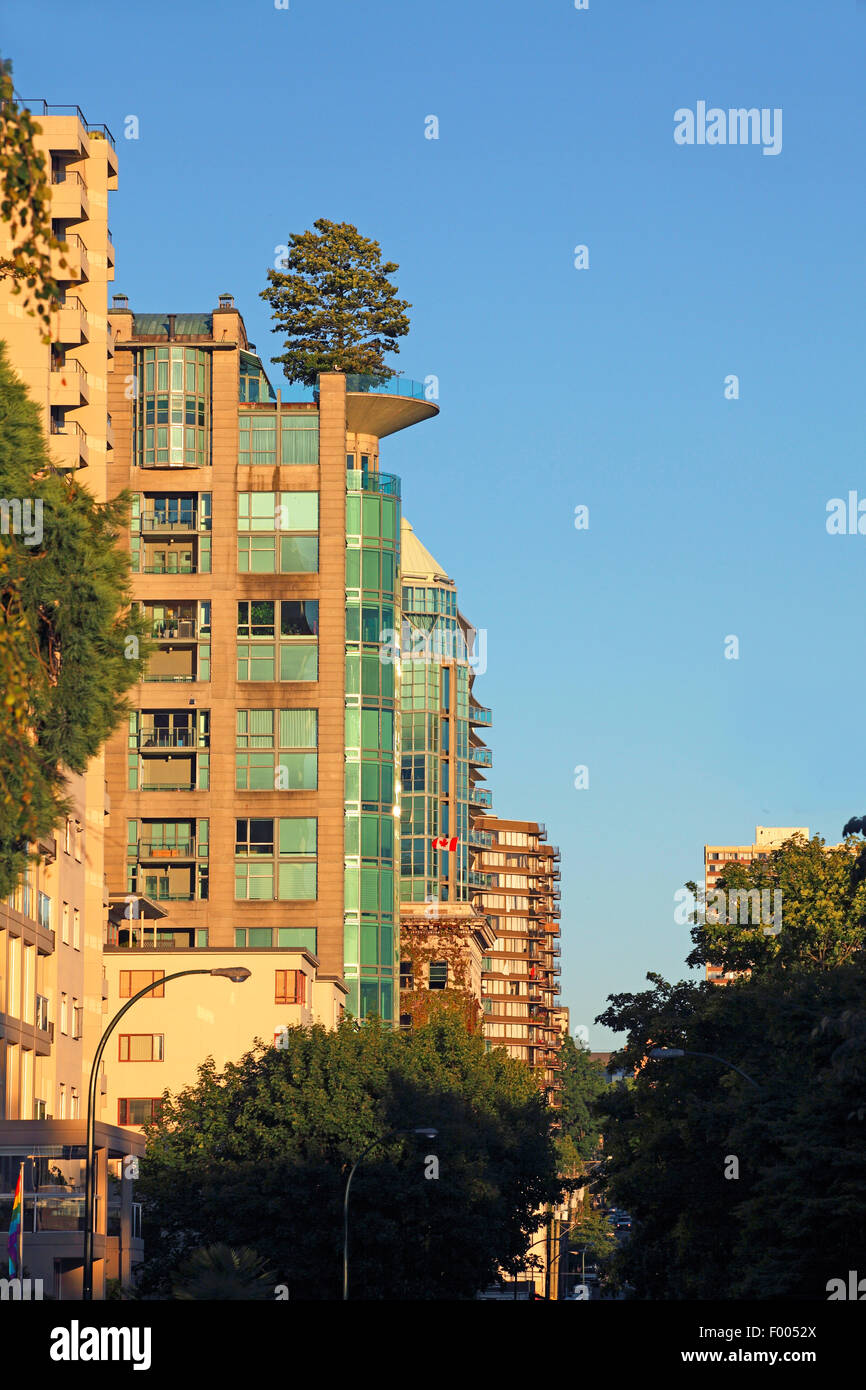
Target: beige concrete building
51 927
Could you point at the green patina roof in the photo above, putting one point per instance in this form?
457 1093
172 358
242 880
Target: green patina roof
156 325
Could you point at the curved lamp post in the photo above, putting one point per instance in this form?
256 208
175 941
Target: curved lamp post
236 973
427 1132
665 1052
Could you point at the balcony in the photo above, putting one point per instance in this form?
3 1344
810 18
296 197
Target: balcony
381 405
478 796
151 739
477 880
481 839
366 480
73 327
67 385
181 849
481 757
178 630
69 449
76 266
162 524
69 199
478 714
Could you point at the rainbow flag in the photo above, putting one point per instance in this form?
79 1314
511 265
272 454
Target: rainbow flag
15 1231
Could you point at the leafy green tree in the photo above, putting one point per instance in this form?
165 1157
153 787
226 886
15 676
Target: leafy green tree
335 304
823 902
25 207
259 1155
736 1191
591 1232
218 1272
69 645
583 1085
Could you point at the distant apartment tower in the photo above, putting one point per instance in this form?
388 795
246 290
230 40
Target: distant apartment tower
255 806
716 857
522 967
443 936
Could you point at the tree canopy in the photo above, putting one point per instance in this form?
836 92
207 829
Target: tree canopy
259 1154
335 304
823 909
25 207
69 645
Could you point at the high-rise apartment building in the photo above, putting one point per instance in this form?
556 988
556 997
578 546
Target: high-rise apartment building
443 936
51 981
522 967
255 802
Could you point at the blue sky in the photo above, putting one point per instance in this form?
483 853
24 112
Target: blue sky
558 387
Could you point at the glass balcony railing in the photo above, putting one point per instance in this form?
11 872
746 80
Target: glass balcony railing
366 480
479 797
482 839
481 757
387 386
478 714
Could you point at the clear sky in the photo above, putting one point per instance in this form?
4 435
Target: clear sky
559 386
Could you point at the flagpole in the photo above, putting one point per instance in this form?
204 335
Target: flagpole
21 1226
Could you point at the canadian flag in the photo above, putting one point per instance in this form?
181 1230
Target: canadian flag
442 842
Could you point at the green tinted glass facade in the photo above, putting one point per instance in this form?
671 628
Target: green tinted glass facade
435 745
372 744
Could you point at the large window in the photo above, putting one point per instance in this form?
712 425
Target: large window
131 981
275 858
278 532
268 654
290 987
272 749
137 1110
172 407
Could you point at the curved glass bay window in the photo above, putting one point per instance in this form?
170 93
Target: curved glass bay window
372 743
172 407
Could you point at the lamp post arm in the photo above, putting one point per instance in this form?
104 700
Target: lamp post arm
725 1063
89 1176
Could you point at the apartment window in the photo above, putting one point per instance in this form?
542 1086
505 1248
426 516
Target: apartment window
78 830
263 650
290 987
140 1047
64 1013
131 981
75 1107
258 937
67 842
64 935
276 858
438 974
138 1110
77 1018
283 532
43 909
271 750
407 979
62 1106
76 929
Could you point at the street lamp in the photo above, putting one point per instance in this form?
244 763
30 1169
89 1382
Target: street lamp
427 1132
663 1053
237 974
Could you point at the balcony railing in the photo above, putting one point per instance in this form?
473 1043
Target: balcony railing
477 880
386 386
180 737
162 679
479 797
66 427
481 757
182 849
66 176
366 480
478 714
150 521
39 106
482 839
169 786
182 630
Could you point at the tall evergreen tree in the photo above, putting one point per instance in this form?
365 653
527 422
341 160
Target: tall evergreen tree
335 304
